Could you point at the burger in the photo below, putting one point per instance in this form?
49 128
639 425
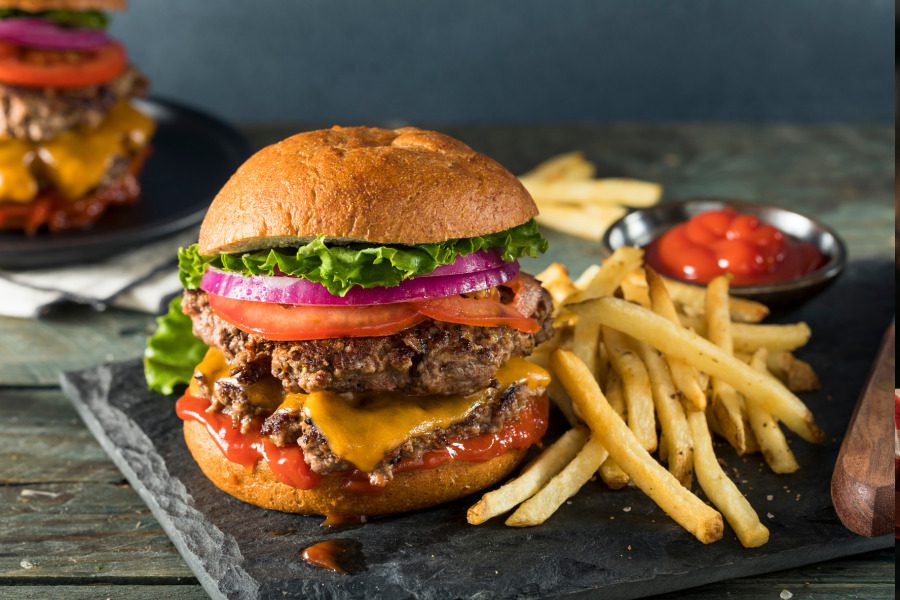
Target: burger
71 143
355 328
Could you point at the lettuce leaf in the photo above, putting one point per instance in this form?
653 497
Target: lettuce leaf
340 267
172 351
88 19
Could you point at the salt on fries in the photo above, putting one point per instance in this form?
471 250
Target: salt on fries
571 200
694 360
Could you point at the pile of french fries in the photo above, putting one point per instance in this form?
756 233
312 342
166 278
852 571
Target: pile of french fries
573 201
642 364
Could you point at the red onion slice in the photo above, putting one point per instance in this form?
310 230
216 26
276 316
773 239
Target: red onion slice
477 261
38 33
293 290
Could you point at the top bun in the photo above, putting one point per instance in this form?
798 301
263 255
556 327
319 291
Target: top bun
364 184
76 5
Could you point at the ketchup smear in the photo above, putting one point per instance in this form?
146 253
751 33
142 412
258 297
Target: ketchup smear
724 241
290 468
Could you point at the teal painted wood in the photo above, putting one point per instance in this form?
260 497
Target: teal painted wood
65 512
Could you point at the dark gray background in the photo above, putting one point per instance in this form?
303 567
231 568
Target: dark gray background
457 61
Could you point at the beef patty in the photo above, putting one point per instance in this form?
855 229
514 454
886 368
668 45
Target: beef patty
430 358
287 427
39 114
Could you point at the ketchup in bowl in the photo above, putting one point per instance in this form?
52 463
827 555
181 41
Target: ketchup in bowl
722 241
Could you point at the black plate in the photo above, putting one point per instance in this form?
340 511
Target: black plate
193 156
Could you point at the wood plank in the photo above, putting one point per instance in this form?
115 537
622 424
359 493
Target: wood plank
33 352
92 592
862 487
42 440
92 531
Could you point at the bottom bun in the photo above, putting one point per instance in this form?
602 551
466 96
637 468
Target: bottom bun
409 490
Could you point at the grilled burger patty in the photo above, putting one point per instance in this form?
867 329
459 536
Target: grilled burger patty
39 114
286 427
429 358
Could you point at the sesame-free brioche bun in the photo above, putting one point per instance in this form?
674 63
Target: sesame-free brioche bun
76 5
365 184
409 490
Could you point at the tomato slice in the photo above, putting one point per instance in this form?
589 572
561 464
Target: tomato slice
35 67
282 322
477 312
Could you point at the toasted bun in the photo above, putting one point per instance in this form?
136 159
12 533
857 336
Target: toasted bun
402 186
76 5
409 490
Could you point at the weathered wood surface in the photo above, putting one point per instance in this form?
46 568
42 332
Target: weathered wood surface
82 534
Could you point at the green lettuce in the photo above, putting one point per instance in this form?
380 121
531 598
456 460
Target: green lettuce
88 19
340 267
172 351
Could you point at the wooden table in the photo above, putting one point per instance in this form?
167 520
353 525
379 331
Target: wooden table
71 527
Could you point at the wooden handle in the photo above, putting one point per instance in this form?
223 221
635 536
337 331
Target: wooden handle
862 486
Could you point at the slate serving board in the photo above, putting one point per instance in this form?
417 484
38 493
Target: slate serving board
618 542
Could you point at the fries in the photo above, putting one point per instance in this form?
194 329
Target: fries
532 479
677 501
747 337
723 493
772 442
572 201
675 432
692 300
727 405
669 338
636 383
566 484
669 352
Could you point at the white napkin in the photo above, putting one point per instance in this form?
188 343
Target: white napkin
138 280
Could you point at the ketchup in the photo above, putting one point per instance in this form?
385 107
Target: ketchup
289 466
724 241
245 449
340 556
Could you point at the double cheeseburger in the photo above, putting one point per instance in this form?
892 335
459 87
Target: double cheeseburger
71 143
360 325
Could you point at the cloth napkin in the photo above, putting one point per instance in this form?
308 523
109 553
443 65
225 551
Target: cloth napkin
140 280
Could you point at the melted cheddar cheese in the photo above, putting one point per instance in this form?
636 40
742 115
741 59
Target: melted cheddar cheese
74 161
363 432
363 428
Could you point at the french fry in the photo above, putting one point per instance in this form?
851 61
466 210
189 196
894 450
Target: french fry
571 165
636 383
796 374
678 502
586 338
611 473
634 288
774 446
533 477
588 222
692 298
669 338
675 431
726 404
594 192
748 337
610 274
684 376
723 493
584 280
555 279
563 486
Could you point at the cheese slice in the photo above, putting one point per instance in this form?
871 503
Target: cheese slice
213 367
364 429
75 161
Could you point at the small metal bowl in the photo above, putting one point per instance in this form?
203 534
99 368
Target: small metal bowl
641 226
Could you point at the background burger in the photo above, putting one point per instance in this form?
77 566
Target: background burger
355 327
71 144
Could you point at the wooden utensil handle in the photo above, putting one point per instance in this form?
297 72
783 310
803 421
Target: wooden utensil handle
862 486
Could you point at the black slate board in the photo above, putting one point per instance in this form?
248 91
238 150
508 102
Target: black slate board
592 544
